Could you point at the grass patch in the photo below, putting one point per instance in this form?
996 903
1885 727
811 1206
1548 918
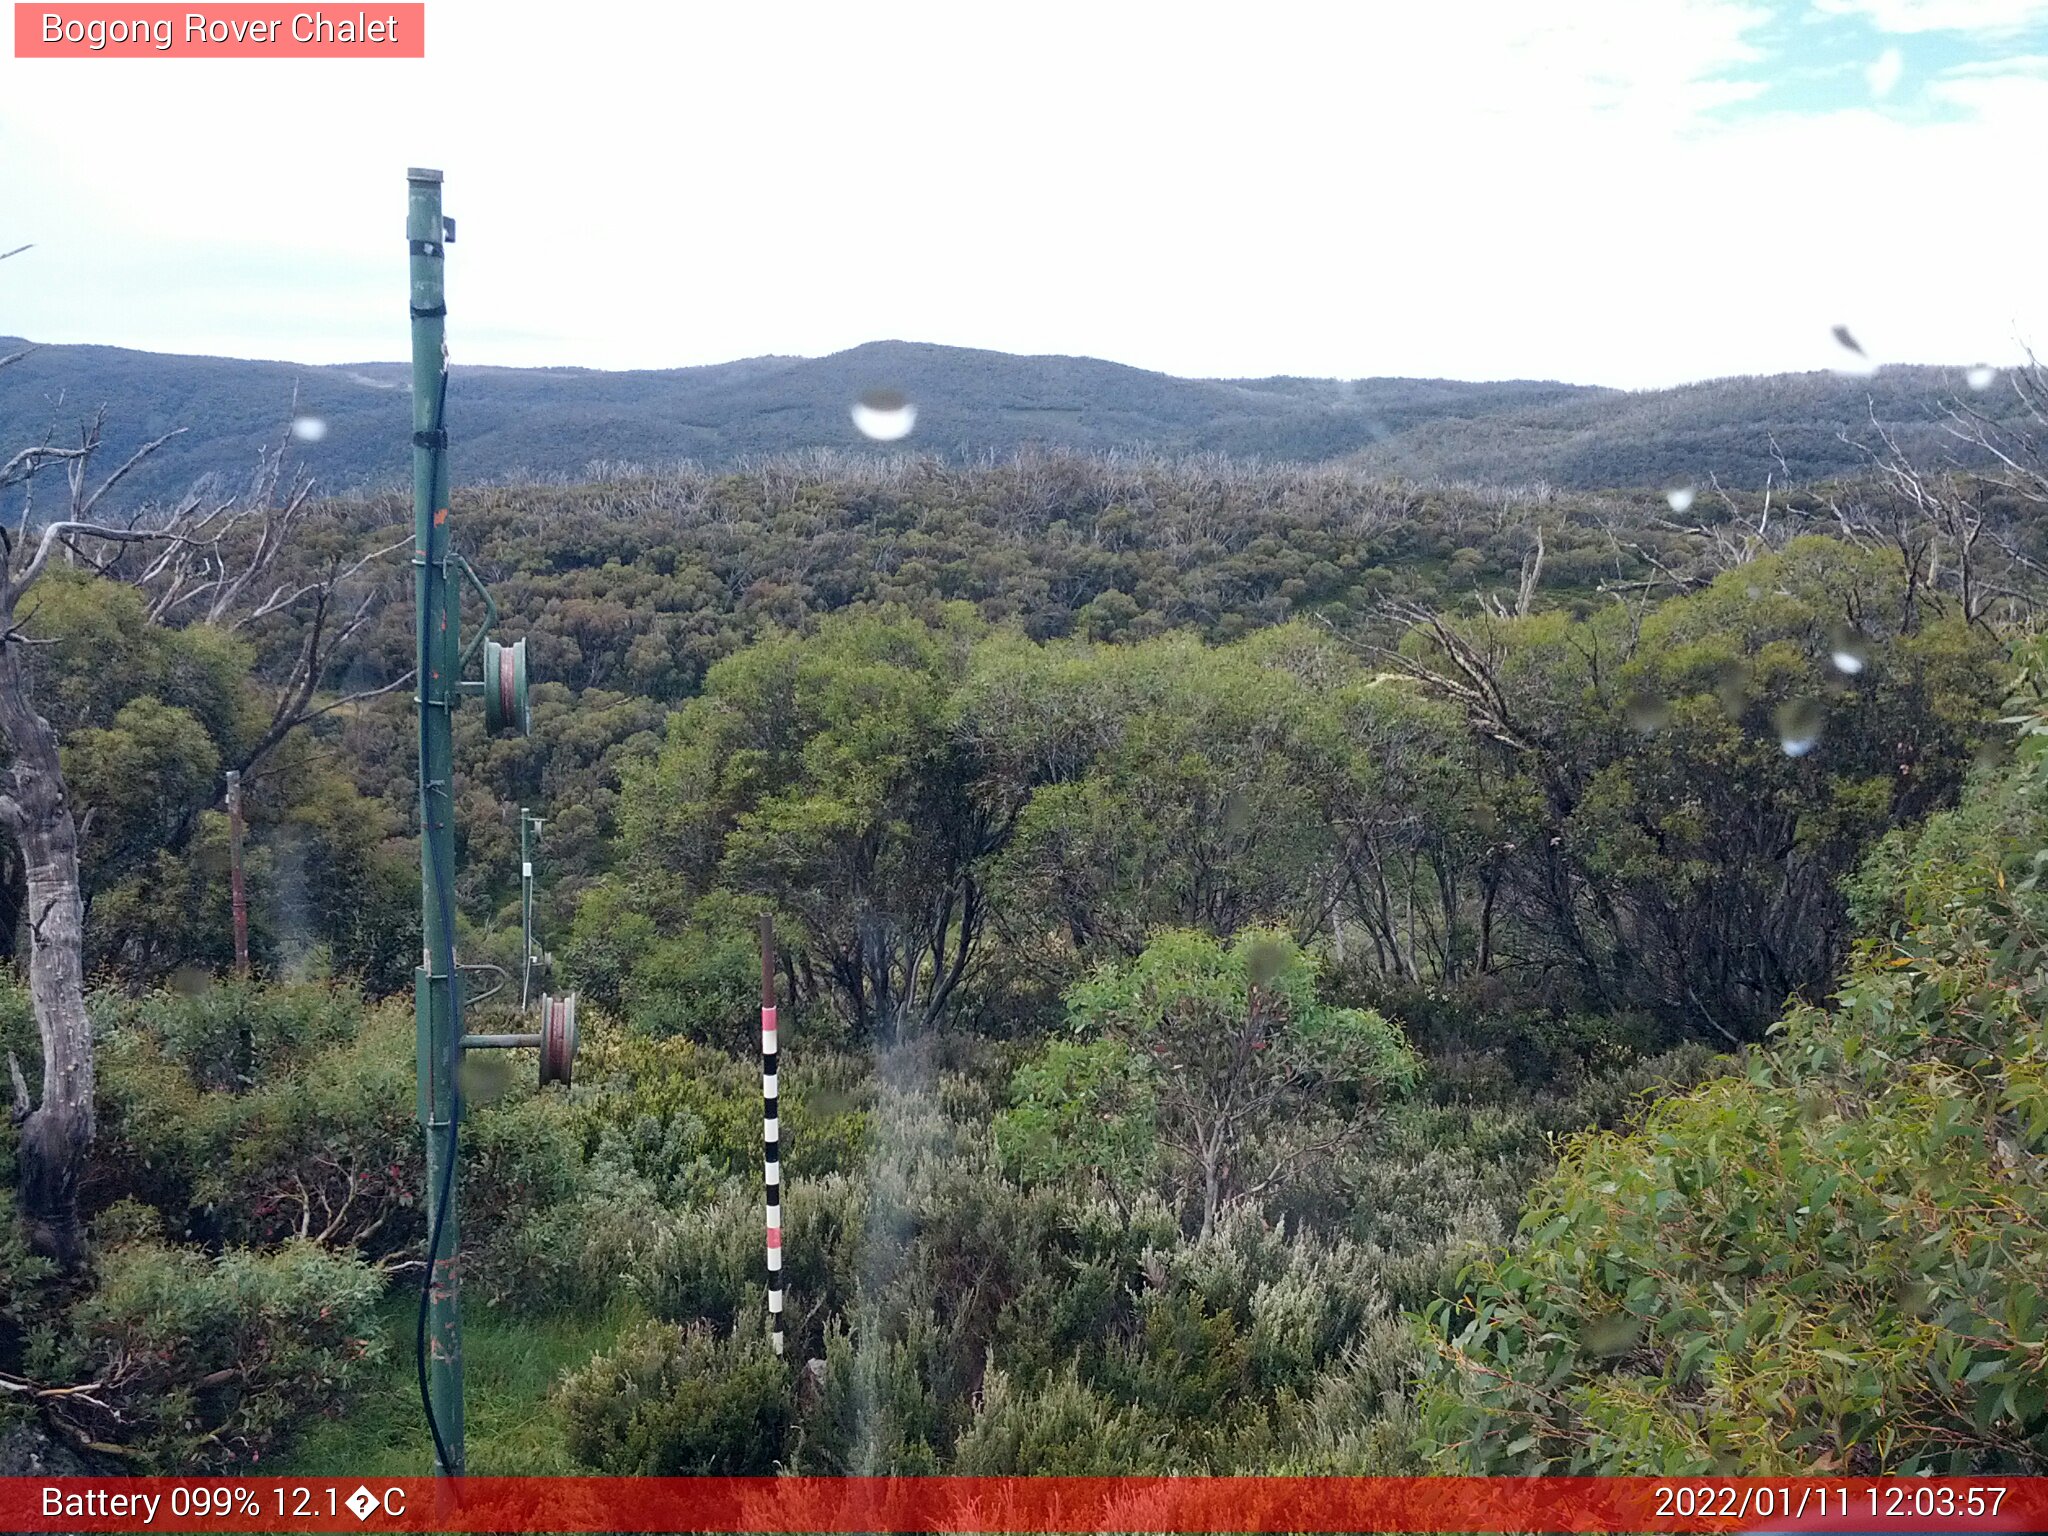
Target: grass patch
510 1365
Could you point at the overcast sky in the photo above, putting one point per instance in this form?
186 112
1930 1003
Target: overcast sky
1649 192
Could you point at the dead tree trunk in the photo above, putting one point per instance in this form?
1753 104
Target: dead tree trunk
57 1132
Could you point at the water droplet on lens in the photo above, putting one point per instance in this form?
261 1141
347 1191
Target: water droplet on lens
1799 723
1607 1336
1647 712
1680 498
308 429
1848 651
1730 682
1857 361
1264 960
885 415
1236 813
484 1076
1981 377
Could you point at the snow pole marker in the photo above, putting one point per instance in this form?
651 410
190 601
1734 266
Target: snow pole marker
771 1132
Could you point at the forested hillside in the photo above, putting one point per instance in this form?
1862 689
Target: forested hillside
519 424
1212 899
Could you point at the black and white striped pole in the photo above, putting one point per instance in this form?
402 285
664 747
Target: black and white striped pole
771 1132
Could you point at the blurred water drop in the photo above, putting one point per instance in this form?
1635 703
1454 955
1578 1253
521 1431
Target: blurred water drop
1263 960
1236 813
1607 1336
1853 359
308 429
1647 712
1981 377
1730 682
1799 723
484 1075
1848 651
1680 498
884 415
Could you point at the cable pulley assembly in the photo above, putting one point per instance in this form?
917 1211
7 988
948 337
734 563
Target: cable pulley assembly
505 707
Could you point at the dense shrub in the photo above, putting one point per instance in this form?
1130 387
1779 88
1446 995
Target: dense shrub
671 1401
233 1035
679 1115
579 1253
1214 1064
212 1360
876 1414
211 1106
255 1116
704 984
1356 1418
708 1266
1061 1429
1829 1262
25 1277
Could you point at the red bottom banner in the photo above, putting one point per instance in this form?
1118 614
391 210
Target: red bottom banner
992 1504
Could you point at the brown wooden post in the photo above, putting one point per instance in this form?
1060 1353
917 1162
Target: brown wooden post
235 882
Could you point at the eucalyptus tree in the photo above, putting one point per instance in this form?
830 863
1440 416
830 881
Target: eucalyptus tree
1215 1064
1164 784
1680 792
822 775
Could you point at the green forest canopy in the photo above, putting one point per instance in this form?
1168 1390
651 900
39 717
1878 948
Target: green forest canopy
1421 826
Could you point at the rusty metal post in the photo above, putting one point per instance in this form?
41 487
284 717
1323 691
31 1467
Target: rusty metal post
235 881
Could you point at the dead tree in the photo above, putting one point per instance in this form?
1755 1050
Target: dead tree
223 570
217 559
2018 445
57 1130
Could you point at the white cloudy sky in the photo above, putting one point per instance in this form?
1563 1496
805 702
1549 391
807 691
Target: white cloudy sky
1631 192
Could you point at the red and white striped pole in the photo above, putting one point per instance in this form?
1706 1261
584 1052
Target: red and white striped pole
771 1131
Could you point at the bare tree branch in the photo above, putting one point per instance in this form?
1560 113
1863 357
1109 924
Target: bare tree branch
53 533
83 510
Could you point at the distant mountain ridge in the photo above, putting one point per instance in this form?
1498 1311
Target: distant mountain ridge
513 423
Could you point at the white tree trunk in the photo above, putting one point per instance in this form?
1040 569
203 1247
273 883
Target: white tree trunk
57 1134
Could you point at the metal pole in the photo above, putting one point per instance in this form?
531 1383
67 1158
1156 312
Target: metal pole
235 884
437 1007
771 1132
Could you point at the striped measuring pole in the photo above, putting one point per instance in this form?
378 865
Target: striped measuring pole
771 1132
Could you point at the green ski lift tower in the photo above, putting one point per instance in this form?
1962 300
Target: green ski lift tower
439 574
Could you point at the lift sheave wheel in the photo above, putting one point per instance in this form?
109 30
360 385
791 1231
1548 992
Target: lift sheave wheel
557 1038
505 686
